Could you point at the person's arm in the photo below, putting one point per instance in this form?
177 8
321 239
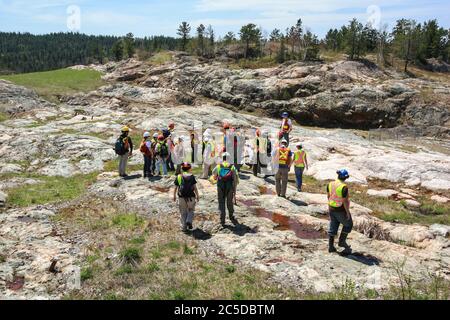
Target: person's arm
306 161
347 204
131 146
197 196
175 192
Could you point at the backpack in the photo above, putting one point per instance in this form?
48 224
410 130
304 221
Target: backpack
186 186
225 174
144 149
120 147
162 149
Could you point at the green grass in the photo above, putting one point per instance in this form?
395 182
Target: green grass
86 273
127 221
265 62
3 116
51 84
160 58
131 255
50 189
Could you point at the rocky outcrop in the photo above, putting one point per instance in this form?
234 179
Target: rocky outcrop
346 94
16 99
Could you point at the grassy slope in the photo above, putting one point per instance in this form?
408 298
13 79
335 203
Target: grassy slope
51 84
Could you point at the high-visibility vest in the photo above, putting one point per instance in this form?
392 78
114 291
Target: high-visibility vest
336 198
285 125
283 155
300 158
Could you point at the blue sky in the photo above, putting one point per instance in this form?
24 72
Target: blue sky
155 17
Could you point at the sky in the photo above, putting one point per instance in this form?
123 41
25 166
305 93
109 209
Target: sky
159 17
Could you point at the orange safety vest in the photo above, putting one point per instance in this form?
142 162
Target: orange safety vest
285 125
299 158
283 155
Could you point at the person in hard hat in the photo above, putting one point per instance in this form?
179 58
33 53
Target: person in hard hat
178 155
227 180
170 139
284 157
186 190
300 165
286 127
209 155
124 150
146 150
154 143
162 154
339 210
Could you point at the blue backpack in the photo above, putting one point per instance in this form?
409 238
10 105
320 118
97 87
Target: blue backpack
225 174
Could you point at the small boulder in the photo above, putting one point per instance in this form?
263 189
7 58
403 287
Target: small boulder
412 203
440 199
3 197
387 193
440 230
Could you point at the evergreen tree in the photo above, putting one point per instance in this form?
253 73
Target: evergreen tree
183 31
250 34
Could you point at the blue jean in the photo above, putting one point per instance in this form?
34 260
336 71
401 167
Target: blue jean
336 218
299 177
159 162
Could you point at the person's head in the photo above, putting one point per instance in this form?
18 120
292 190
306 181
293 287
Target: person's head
155 136
226 125
146 135
258 132
206 138
180 140
186 167
343 174
160 138
125 130
225 156
285 115
299 146
171 125
284 143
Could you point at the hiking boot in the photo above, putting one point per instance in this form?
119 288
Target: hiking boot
331 247
189 226
342 241
234 220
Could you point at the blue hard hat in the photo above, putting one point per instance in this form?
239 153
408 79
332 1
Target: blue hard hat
343 174
285 114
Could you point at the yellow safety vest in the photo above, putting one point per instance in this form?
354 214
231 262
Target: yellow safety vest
283 155
300 158
336 199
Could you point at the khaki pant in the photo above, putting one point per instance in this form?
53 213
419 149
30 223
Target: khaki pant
206 169
123 161
187 208
281 181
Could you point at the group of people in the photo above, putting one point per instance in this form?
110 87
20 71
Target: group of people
221 165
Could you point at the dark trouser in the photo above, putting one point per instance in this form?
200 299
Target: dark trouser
170 164
225 195
281 181
299 177
336 218
147 166
256 166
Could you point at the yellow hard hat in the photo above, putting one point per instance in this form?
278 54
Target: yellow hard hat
125 129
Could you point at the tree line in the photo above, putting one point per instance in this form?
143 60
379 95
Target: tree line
408 41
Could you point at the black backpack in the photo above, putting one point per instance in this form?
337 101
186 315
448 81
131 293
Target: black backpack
163 149
186 186
119 147
225 174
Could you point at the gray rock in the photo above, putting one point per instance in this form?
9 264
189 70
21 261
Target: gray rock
440 230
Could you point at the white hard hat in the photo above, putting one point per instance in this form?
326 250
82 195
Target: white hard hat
146 134
284 141
155 135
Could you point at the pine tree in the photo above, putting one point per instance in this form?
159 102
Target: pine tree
183 31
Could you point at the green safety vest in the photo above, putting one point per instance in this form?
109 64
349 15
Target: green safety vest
300 158
336 199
